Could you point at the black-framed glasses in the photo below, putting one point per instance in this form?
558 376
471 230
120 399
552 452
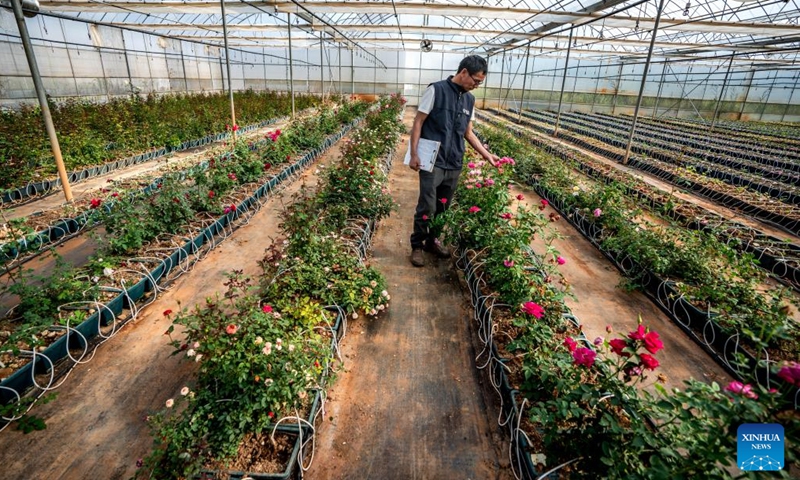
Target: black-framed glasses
476 82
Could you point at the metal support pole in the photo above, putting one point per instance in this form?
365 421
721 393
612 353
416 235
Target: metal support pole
103 70
353 71
789 101
766 99
747 91
397 73
683 90
502 72
127 64
644 80
341 92
264 66
375 75
183 66
42 96
575 85
616 90
563 81
228 64
596 87
291 66
524 80
222 73
321 68
660 89
721 94
486 84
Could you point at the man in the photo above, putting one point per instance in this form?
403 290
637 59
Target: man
445 115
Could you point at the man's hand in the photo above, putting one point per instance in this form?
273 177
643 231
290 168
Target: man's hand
492 158
413 164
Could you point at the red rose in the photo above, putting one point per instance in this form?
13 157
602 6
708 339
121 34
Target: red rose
617 345
652 342
648 361
638 334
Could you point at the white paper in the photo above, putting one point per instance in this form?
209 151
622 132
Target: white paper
427 151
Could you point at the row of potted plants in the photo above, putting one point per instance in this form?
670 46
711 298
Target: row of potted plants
212 179
95 133
739 199
775 255
782 133
708 273
131 276
740 146
774 182
264 349
576 399
661 143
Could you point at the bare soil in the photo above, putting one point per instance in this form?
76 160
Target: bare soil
411 403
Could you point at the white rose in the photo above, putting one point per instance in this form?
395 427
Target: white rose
184 391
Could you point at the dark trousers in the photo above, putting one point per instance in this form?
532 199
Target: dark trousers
433 187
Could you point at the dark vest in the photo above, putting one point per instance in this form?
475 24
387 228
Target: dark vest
447 122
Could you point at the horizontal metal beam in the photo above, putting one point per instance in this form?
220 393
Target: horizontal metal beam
427 32
416 8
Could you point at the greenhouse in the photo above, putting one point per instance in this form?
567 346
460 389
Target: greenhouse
334 239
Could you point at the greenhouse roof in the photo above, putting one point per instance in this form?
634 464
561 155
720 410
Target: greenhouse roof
751 31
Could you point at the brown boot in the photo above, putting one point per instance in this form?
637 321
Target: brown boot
436 248
417 257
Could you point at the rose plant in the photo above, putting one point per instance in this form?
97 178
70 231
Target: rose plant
259 354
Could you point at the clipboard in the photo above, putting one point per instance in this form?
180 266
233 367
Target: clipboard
427 151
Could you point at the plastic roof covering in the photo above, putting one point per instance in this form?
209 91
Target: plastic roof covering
762 30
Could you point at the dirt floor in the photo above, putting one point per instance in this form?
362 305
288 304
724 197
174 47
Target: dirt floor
95 427
411 403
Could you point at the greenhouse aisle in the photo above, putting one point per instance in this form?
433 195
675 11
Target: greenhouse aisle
95 427
410 404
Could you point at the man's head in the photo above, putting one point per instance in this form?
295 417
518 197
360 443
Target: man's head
471 72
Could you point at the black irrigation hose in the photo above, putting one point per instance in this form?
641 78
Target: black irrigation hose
778 257
782 191
781 219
